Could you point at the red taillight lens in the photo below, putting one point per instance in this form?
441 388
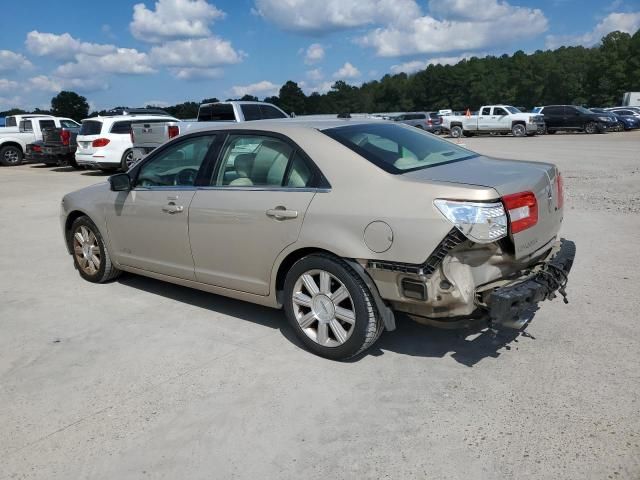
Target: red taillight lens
173 131
100 142
429 122
36 148
65 137
559 190
522 209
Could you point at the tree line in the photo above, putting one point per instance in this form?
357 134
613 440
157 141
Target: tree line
596 76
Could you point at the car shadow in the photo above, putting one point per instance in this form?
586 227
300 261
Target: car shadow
97 173
466 346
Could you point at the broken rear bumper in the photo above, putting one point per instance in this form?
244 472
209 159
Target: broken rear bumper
507 304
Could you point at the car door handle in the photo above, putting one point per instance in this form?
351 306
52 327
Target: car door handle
281 213
172 208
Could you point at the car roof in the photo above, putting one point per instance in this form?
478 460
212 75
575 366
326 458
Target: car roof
285 124
117 118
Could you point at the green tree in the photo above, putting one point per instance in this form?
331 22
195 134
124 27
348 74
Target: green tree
292 99
70 104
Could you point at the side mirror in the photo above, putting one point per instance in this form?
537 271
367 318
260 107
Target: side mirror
120 182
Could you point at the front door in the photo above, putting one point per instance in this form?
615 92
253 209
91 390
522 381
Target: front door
500 119
252 210
148 226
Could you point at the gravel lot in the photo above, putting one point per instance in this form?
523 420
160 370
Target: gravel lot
141 379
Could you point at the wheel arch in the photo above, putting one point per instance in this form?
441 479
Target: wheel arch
68 223
288 261
13 143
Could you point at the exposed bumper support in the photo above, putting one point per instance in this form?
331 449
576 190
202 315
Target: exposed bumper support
508 303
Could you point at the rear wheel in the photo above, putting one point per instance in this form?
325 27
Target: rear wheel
590 128
10 156
72 163
456 132
518 130
550 132
90 255
330 308
127 160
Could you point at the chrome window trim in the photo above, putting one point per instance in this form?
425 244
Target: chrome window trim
165 188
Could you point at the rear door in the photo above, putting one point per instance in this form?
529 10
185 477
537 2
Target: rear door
252 209
554 116
485 120
89 131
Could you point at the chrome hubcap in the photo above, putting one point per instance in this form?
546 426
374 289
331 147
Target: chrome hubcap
128 160
11 156
86 250
323 308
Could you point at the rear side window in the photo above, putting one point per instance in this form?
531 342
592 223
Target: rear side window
47 124
26 126
486 111
552 111
270 112
121 127
90 127
216 112
251 112
11 122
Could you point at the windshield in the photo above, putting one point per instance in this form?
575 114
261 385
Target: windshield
398 149
513 110
583 110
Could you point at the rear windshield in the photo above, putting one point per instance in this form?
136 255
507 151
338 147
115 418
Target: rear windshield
397 149
90 127
216 112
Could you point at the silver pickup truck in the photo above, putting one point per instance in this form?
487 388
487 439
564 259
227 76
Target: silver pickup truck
494 119
147 135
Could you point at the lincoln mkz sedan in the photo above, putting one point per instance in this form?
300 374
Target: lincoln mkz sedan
342 223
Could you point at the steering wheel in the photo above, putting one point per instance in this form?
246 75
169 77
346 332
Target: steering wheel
186 177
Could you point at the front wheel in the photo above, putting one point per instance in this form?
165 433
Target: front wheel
330 308
590 128
127 161
90 255
518 130
11 156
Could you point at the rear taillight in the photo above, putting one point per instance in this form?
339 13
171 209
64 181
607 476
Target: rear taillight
429 122
100 142
65 137
559 190
173 131
36 148
522 209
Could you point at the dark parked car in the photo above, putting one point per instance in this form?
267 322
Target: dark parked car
572 118
58 147
429 121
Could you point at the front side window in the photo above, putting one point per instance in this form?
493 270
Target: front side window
177 165
251 112
396 149
499 111
261 161
68 124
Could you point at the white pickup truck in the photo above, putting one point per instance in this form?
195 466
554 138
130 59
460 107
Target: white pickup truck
14 141
494 119
147 135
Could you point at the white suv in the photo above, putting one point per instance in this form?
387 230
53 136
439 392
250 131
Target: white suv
105 142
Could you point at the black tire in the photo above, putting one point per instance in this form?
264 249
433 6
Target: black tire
456 131
71 161
127 160
467 134
106 270
519 130
550 132
367 326
591 128
11 156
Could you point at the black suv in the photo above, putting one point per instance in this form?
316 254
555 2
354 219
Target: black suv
572 117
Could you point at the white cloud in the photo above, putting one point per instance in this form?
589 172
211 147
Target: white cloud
465 24
54 85
346 71
13 61
62 46
625 22
7 85
191 73
7 103
202 53
173 19
320 87
263 89
127 61
315 74
314 54
417 65
313 16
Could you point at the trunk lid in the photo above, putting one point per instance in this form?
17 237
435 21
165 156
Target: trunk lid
508 177
89 131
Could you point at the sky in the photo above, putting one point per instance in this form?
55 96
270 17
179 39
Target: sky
163 52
